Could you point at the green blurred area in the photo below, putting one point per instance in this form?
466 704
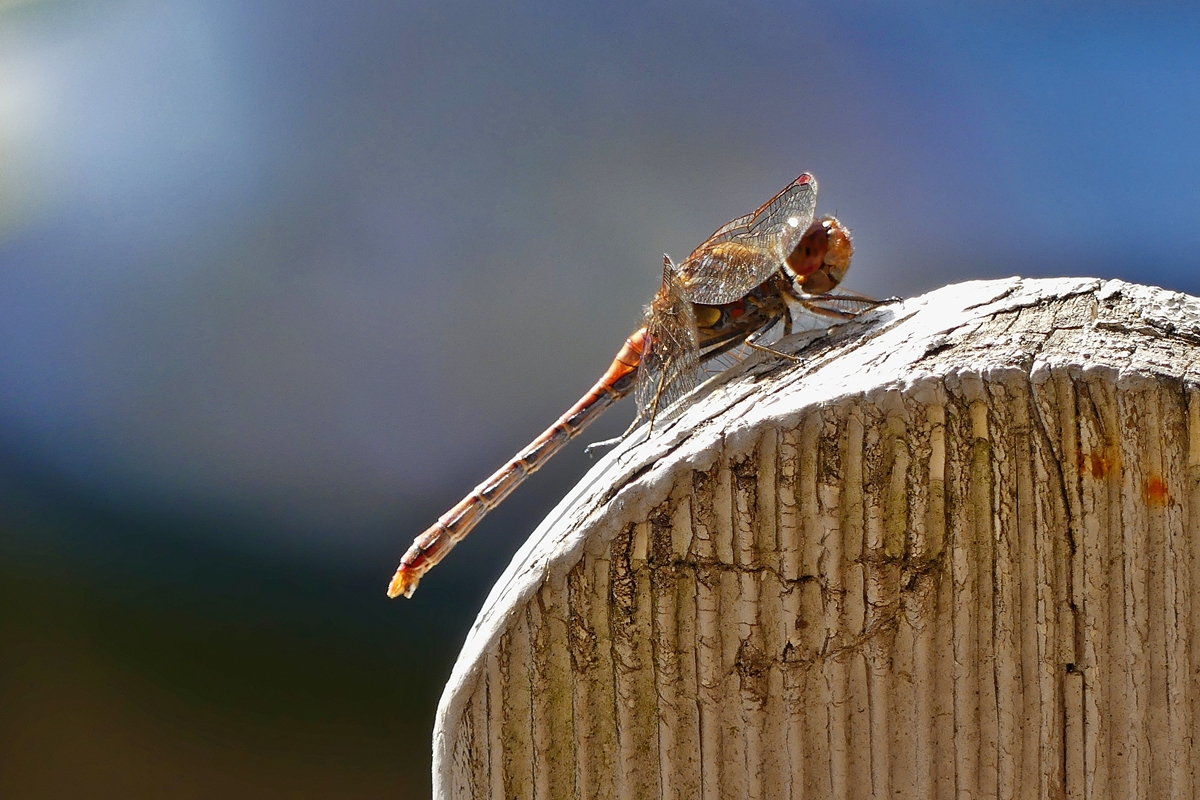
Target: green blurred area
163 668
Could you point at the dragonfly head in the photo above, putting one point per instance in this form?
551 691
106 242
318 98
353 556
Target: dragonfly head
822 257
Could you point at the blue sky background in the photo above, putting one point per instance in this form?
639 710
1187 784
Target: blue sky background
279 282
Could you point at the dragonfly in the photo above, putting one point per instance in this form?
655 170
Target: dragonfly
751 277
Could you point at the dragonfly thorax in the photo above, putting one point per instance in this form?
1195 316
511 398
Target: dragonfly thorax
760 307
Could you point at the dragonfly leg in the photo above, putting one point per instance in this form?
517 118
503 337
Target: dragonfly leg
643 415
762 348
752 341
827 311
825 305
592 449
853 295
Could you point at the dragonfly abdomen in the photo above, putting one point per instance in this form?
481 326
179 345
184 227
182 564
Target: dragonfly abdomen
432 545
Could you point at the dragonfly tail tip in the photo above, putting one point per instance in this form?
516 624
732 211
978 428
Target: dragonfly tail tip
403 582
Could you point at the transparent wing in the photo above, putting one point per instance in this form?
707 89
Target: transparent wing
746 251
717 359
670 364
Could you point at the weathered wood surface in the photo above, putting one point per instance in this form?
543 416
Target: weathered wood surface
954 554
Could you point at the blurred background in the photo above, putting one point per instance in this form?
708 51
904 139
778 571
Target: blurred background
280 282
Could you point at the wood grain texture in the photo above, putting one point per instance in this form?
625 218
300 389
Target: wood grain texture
954 554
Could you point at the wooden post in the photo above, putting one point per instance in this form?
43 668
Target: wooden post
955 553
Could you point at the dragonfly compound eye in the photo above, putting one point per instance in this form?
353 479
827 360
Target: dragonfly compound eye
838 251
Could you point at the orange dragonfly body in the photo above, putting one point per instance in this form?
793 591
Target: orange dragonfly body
745 280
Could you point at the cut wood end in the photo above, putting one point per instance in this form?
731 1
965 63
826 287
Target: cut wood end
872 559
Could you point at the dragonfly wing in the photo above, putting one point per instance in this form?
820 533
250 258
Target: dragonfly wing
746 251
670 363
